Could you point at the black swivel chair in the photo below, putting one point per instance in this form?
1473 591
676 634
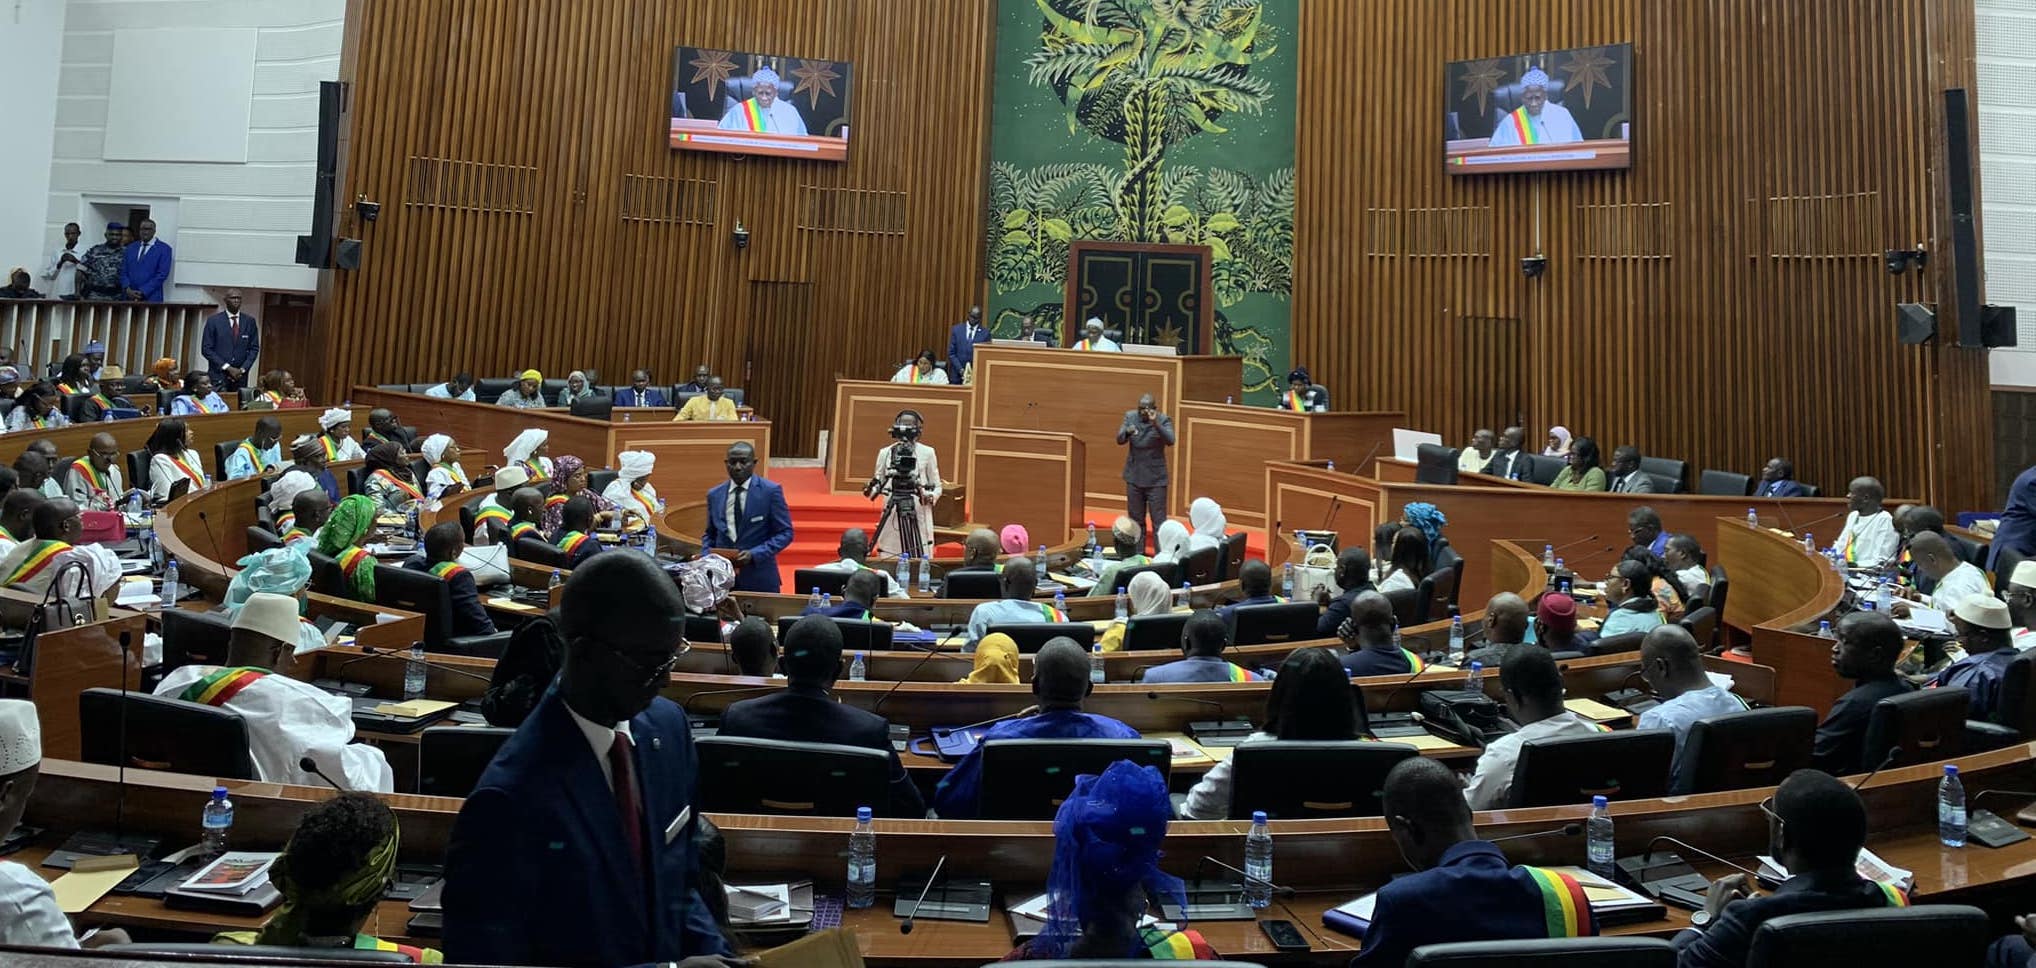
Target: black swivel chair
356 480
1435 464
1026 779
1627 764
1202 567
1721 587
703 628
1169 571
806 580
1541 469
137 469
1718 483
220 452
489 389
539 552
1032 636
261 539
1405 602
1738 751
1154 632
1284 622
1701 623
1296 780
768 776
326 576
422 591
1670 476
1233 556
598 480
1926 934
194 638
451 759
163 734
1547 953
1925 726
856 635
1431 596
984 584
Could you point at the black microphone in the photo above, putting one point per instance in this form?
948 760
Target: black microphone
906 926
1767 882
1894 753
1279 889
1566 547
1791 524
1335 508
687 705
1358 469
309 765
214 539
1151 694
1566 830
1386 707
916 666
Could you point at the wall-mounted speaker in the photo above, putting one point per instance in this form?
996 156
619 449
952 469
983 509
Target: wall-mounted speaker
346 254
1958 164
1997 326
1915 323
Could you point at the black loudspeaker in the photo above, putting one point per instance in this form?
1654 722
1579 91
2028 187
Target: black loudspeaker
1915 323
347 255
1964 232
315 250
1997 326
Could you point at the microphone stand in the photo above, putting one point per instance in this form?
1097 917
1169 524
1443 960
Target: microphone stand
905 927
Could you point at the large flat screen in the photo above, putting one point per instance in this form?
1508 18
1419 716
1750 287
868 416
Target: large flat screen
759 104
1551 110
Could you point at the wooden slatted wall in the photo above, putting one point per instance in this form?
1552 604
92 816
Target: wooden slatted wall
1722 302
533 214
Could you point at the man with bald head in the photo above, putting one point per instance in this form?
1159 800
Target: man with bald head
855 551
1673 667
32 473
1060 681
1254 582
1867 645
1506 462
34 563
1145 434
1952 579
384 427
1018 581
1506 621
1368 638
1869 539
93 481
979 551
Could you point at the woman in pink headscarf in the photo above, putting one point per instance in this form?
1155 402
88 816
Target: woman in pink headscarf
1558 442
1015 539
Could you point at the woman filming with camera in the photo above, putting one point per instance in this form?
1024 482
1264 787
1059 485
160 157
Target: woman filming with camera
907 464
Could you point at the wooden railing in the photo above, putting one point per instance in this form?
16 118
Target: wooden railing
44 331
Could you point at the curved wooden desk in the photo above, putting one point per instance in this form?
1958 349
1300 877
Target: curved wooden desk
206 431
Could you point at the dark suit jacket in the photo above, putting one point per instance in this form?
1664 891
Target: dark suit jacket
650 397
149 274
468 615
961 351
1782 488
1506 465
222 350
1145 448
766 532
1729 940
538 872
804 714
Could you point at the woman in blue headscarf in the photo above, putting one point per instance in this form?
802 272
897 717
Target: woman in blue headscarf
1105 864
279 571
1427 517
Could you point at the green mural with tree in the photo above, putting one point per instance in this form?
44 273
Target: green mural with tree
1165 121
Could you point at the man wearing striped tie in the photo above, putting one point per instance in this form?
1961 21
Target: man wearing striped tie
1536 121
287 719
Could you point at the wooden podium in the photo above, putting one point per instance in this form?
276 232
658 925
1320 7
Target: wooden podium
1086 395
863 411
1028 477
1223 448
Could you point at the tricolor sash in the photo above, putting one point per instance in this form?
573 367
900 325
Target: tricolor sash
1892 895
101 480
331 449
1238 673
419 956
522 529
220 686
536 469
453 470
400 484
294 535
274 398
1296 403
351 560
98 396
556 501
1563 904
184 467
1052 614
753 117
1414 663
1523 127
36 561
254 455
571 541
492 514
1083 345
1175 945
448 569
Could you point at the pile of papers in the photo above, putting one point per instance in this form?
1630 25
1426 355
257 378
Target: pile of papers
1869 864
235 873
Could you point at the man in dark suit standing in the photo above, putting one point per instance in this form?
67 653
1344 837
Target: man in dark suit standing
145 265
1146 434
748 515
961 343
807 712
577 846
232 339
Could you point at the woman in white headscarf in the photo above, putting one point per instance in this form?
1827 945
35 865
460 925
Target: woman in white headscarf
447 477
1149 596
1170 542
1207 517
528 452
1558 442
338 437
577 388
631 492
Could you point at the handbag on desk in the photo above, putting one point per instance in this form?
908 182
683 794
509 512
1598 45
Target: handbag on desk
58 611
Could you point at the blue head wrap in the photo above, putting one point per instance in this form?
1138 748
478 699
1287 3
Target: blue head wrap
1106 844
280 571
1427 517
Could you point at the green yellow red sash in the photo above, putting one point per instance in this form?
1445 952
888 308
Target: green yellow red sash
220 686
1522 127
101 481
296 534
448 569
571 541
522 529
536 469
400 484
254 456
351 560
331 449
754 117
1565 908
184 467
492 513
1296 403
36 561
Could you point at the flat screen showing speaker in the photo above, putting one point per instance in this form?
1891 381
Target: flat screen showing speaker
1551 110
745 103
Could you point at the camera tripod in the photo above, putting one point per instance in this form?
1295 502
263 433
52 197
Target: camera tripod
902 509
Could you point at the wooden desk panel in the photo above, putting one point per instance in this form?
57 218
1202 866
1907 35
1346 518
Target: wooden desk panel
1033 478
1308 496
690 453
207 430
483 429
1774 581
1222 446
864 411
69 661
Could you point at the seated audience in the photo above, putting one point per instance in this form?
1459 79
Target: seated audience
162 375
1017 582
713 403
75 379
1952 579
570 479
1015 540
576 388
1506 460
1382 548
390 479
1982 625
1107 837
279 391
1626 476
17 517
460 387
807 711
1060 681
1472 459
344 538
491 515
446 477
753 647
995 661
1778 479
277 571
639 392
1129 544
1667 593
1533 689
526 394
1505 629
526 512
858 595
308 468
308 511
1147 594
1093 339
1353 575
1463 889
18 285
1643 530
332 875
979 552
92 482
1865 651
921 370
385 427
260 454
854 549
1368 640
529 451
1206 516
49 480
2020 596
1672 665
1311 699
33 917
576 521
287 719
1684 559
1254 582
631 493
698 384
1431 521
338 437
1581 471
443 545
1558 442
171 458
1633 605
1869 539
1203 640
1818 825
1409 561
1301 396
197 397
36 409
1170 542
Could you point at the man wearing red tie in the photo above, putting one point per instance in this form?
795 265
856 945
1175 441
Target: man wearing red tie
961 344
232 340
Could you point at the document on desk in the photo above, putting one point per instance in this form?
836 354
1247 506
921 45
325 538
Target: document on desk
1924 621
1182 749
1596 711
1869 864
89 880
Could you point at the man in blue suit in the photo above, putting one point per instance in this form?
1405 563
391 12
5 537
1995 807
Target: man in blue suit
756 523
961 343
145 265
232 340
577 847
639 392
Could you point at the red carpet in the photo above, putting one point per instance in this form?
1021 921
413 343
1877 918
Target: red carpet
819 517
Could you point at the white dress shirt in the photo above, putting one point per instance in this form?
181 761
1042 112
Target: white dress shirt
1869 541
1494 777
28 910
601 738
63 276
849 566
1961 583
1682 712
287 720
1210 799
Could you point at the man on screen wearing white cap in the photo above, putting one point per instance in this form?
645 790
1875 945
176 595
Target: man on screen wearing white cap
1982 624
287 719
28 908
764 111
2021 598
1535 121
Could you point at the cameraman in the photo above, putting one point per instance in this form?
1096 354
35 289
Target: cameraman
907 462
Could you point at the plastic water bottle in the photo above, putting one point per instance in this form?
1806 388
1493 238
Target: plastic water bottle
413 673
1096 674
1560 567
1287 581
862 861
926 574
1548 556
826 599
555 581
1060 600
1951 808
1258 869
410 524
1598 838
1883 597
1475 680
1752 518
1040 565
1866 605
1824 630
904 575
1093 547
1396 632
857 671
134 503
1332 466
218 821
1455 637
1809 542
816 601
1185 595
1123 607
170 584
